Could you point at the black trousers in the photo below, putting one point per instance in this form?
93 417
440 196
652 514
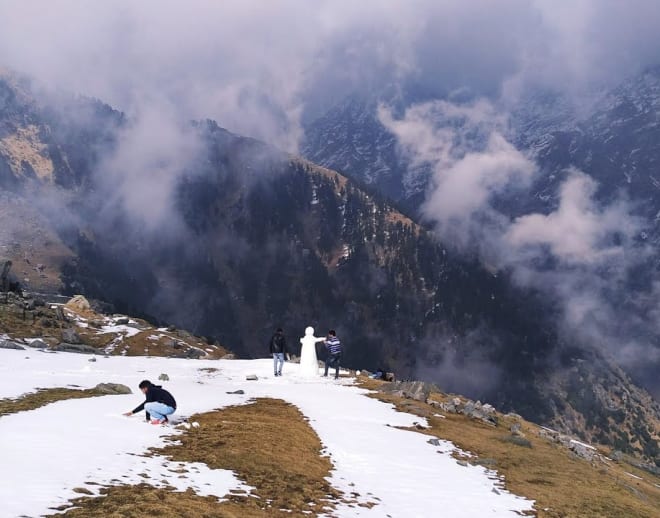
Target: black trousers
333 360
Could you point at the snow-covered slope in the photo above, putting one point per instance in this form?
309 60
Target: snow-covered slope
69 444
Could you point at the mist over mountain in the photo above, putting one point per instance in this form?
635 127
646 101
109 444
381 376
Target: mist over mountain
521 136
563 197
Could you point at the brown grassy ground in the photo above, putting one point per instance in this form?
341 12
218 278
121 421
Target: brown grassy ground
41 398
562 485
268 444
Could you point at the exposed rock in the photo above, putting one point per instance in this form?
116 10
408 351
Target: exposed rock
251 377
434 441
516 430
8 344
229 356
79 303
112 388
237 392
448 407
579 449
38 344
194 353
75 348
583 450
476 410
70 336
417 390
122 321
164 377
92 359
622 457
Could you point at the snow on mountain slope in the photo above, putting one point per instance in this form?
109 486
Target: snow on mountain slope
67 444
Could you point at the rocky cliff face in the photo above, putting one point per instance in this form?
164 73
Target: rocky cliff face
252 239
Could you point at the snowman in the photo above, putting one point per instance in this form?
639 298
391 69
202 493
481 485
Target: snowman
309 364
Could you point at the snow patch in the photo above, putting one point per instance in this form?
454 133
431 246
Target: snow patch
95 443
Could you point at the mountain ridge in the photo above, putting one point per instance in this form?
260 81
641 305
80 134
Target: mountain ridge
255 239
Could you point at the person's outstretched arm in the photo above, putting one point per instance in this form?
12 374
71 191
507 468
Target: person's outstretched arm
137 409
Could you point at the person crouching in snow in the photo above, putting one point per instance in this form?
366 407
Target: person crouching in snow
159 403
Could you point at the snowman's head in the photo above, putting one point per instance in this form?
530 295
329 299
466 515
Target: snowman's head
309 331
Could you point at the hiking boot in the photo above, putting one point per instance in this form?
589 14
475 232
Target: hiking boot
158 421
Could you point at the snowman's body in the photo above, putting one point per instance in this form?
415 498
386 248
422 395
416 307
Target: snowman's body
309 364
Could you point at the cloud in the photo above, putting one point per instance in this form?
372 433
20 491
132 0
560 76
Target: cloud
582 254
259 67
579 231
470 158
139 176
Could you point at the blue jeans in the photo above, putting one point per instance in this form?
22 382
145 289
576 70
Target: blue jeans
333 361
157 410
278 358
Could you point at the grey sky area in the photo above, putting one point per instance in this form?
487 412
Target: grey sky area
258 67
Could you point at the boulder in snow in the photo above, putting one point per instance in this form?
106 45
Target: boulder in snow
75 348
112 388
38 344
8 344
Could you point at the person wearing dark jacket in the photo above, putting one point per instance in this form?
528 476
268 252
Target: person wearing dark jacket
158 404
278 350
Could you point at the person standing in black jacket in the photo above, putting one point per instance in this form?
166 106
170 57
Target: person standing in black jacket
158 404
278 350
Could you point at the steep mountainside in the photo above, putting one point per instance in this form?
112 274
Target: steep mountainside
351 139
253 238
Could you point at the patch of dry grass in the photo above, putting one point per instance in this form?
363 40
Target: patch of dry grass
563 485
268 444
43 397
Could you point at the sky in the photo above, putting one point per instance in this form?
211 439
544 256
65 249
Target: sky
262 68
